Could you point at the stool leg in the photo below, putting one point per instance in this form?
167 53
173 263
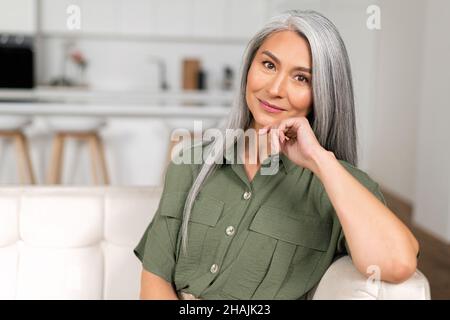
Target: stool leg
26 170
92 146
97 153
54 176
101 155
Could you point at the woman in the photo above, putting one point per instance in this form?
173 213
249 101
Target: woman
228 231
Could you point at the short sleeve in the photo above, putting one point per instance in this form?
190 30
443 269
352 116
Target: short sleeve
157 247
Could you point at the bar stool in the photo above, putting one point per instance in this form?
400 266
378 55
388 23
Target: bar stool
11 127
84 129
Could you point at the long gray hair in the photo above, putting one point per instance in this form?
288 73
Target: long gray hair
332 117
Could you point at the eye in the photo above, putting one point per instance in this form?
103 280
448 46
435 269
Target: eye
268 65
302 78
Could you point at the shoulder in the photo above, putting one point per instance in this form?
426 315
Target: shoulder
184 165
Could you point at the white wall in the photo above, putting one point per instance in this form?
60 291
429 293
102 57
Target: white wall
394 120
350 19
432 210
409 146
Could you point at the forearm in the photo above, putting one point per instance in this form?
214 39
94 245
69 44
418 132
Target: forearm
154 287
375 236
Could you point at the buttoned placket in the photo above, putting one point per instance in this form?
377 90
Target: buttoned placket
235 220
230 231
247 197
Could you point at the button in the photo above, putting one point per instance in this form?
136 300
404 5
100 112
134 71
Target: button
229 230
214 268
247 195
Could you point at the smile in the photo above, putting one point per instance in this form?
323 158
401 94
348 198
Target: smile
270 107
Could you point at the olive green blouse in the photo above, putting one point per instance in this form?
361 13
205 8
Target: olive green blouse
270 238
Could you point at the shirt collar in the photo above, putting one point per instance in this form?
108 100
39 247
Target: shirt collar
285 162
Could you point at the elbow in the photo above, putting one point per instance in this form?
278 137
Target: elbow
401 271
404 268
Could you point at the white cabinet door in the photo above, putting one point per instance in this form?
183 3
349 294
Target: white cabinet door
54 14
278 6
17 16
245 18
96 16
209 18
173 17
100 16
137 17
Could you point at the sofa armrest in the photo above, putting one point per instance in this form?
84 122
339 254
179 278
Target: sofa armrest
342 281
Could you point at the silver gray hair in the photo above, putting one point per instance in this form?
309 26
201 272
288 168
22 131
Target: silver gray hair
332 117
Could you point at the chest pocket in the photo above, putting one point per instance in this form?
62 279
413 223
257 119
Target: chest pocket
303 230
206 210
274 237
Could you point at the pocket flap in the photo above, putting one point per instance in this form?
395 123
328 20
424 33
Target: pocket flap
206 210
303 230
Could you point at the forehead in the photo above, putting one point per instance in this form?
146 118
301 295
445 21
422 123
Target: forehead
289 47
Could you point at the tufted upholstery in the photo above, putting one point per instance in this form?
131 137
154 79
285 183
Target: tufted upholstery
72 243
77 243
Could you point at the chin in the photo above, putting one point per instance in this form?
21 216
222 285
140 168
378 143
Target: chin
264 120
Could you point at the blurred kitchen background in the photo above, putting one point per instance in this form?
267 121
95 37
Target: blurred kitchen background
103 83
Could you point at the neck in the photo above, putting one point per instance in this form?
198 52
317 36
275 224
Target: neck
255 147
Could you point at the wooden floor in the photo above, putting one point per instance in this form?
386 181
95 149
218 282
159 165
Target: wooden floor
434 259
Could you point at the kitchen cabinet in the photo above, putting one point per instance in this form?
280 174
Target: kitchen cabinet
210 18
245 18
18 16
54 15
192 19
100 16
96 16
173 17
137 17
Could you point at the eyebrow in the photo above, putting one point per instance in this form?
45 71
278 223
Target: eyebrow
270 54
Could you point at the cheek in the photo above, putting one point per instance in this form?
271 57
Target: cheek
255 80
301 100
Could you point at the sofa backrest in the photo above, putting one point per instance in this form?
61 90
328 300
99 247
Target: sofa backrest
64 242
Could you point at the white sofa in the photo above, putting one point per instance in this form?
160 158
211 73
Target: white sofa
77 243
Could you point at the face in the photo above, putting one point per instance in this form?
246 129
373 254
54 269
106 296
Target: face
279 79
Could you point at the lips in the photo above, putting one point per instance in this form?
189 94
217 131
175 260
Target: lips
270 107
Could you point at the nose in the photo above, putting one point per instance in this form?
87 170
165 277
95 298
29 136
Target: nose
277 87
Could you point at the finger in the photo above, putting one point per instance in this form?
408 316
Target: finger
283 136
274 141
290 123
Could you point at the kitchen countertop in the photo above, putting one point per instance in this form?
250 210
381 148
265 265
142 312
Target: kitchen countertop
113 110
116 103
110 96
